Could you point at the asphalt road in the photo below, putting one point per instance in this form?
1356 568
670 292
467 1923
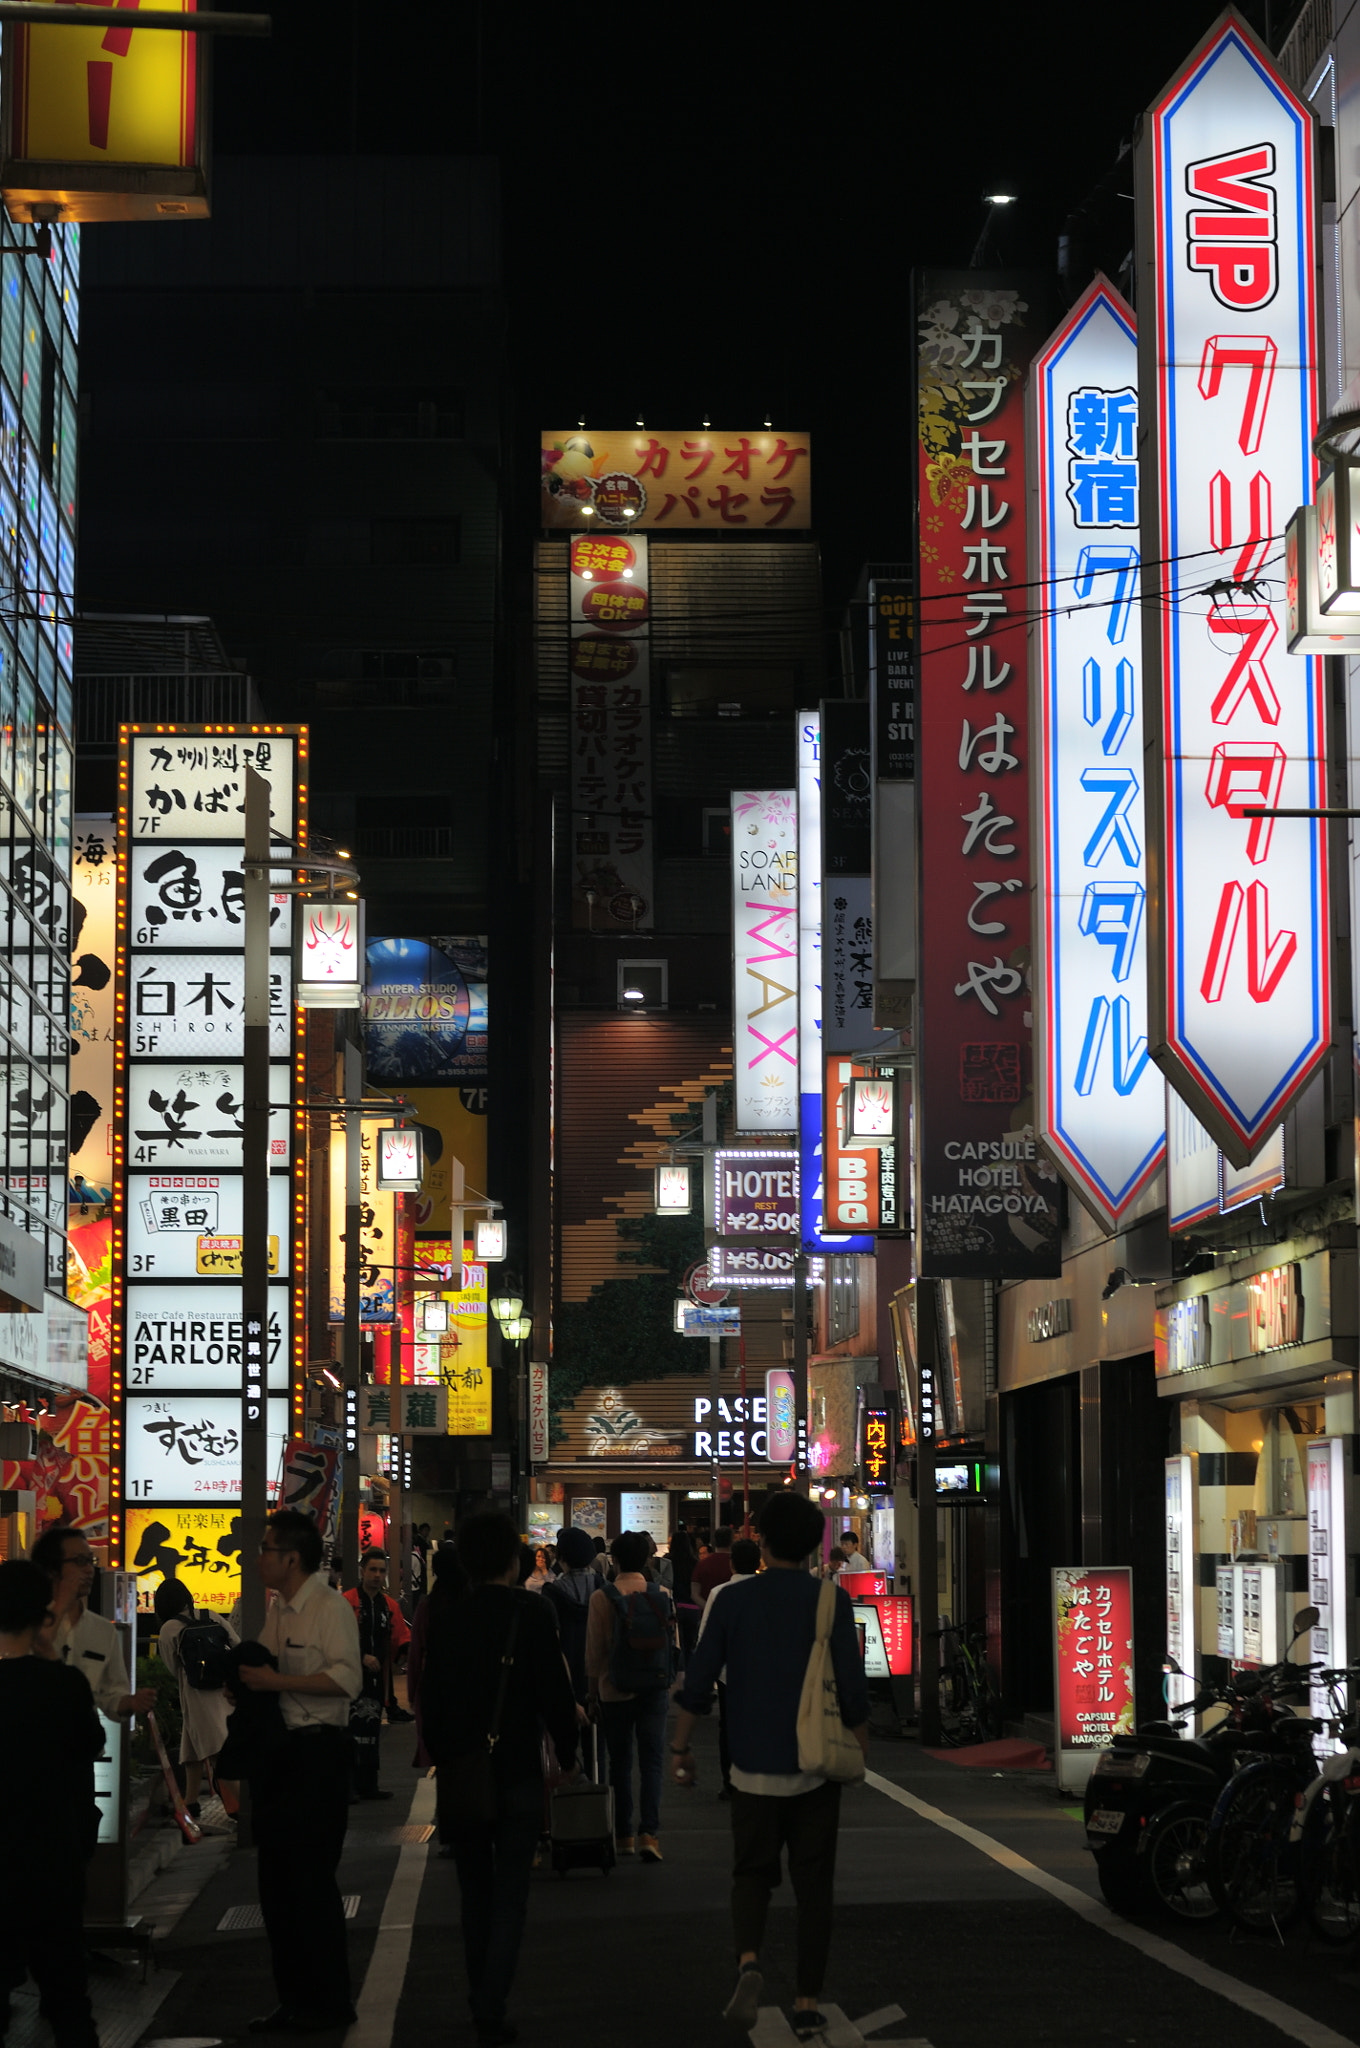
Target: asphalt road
999 1941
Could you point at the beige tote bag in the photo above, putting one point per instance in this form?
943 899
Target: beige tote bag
825 1744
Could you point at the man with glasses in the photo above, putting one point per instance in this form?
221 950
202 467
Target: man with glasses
81 1639
300 1801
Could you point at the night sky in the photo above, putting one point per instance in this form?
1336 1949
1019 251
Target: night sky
712 211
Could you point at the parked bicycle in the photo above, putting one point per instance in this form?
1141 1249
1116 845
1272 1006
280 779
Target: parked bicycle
970 1705
1325 1834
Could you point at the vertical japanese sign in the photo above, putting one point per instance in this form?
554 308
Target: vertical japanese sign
1328 1562
818 1234
765 960
1101 1099
1092 1664
377 1231
1182 1581
1239 977
847 857
892 714
611 734
178 1354
875 1454
538 1412
987 1203
94 867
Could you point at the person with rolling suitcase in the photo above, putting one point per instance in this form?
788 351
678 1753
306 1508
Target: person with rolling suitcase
581 1818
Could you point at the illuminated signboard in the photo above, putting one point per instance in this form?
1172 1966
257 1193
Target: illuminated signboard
1101 1099
672 1190
755 1193
887 1624
765 960
1329 1540
875 1453
781 1408
622 478
1092 1664
179 1355
106 122
1238 924
401 1162
611 727
1182 1580
328 970
489 1235
377 1231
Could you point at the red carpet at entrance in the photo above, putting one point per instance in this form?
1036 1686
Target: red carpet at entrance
1014 1754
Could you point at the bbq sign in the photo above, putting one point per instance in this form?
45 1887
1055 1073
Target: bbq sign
1238 971
1102 1109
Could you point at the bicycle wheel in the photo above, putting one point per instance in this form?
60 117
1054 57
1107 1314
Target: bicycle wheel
1250 1863
1176 1871
1329 1870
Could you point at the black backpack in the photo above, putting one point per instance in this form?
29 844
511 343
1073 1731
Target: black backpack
204 1650
641 1657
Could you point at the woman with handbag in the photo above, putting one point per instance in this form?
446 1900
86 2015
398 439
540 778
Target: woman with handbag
492 1672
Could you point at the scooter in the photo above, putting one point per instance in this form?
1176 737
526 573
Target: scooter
1150 1795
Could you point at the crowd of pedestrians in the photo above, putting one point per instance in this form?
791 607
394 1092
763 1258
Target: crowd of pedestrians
522 1665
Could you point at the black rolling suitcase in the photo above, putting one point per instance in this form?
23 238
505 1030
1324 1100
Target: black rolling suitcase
581 1819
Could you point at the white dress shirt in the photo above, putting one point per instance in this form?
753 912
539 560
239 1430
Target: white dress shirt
92 1645
315 1631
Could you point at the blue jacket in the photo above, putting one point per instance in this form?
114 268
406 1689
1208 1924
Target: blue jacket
763 1631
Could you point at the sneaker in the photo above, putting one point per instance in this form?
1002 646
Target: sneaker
649 1849
808 2025
624 1845
744 2004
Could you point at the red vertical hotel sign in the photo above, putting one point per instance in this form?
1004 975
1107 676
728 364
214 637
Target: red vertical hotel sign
1239 973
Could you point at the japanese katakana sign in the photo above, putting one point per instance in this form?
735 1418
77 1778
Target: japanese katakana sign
765 960
987 1202
892 707
184 1339
1101 1099
1092 1664
1239 972
611 734
627 477
189 1446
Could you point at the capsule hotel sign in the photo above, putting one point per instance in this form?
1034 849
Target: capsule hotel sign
1239 983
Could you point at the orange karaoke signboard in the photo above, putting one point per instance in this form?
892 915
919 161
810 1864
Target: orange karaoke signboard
624 478
104 123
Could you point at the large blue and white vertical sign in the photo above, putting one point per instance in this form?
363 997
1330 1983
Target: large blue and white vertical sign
1101 1099
812 1174
1239 988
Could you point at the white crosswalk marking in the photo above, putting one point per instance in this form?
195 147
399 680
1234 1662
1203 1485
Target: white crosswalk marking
773 2030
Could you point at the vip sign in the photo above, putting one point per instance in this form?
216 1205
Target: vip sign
329 969
1238 935
1101 1107
765 960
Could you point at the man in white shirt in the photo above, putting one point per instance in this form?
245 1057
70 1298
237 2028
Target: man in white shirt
83 1640
855 1560
300 1800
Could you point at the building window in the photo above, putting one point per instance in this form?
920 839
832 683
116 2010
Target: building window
432 412
643 985
842 1301
718 832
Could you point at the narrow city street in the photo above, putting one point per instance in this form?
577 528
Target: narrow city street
967 1913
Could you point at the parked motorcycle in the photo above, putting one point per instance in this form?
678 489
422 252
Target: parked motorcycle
1151 1795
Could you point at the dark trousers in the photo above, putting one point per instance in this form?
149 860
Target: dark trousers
494 1867
806 1826
642 1718
724 1753
53 1955
300 1810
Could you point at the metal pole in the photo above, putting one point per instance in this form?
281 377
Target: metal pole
256 1336
800 1366
349 1371
714 1396
928 1362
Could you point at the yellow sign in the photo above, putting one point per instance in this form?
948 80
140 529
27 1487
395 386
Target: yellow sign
463 1361
219 1257
199 1546
621 479
105 120
377 1231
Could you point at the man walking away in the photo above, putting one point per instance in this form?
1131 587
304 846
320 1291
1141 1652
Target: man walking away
494 1667
300 1800
763 1632
715 1569
50 1736
745 1565
569 1597
630 1662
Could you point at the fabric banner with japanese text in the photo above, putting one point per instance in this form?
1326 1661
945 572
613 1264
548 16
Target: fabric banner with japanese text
987 1203
611 734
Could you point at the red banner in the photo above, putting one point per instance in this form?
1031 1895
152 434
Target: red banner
987 1204
1093 1655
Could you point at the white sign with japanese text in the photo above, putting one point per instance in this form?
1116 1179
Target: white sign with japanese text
177 1223
181 1338
181 893
1101 1099
538 1411
188 1005
192 784
187 1447
1239 934
765 960
189 1114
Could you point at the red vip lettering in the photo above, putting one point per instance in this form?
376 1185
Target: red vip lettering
1235 242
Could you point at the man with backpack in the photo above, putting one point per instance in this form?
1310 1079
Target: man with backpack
630 1662
196 1653
569 1596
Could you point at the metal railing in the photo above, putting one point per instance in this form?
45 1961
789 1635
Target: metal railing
1303 48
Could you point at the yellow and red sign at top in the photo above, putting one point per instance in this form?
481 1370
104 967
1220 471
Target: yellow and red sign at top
621 478
105 120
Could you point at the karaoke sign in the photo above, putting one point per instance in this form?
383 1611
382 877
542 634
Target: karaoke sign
1102 1111
1238 968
